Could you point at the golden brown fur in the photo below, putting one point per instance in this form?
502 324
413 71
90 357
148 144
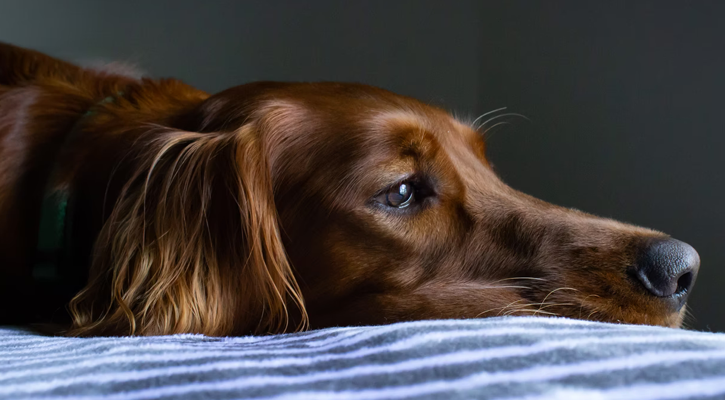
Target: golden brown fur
257 210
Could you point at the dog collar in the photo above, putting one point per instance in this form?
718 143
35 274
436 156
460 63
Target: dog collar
54 235
56 217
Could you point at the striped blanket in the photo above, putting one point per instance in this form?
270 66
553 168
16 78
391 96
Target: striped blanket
496 358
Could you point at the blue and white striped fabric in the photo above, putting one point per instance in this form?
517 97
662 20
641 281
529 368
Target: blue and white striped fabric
496 358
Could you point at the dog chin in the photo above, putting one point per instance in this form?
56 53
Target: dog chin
670 320
678 318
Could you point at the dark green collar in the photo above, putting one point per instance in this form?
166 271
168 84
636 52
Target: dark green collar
56 217
53 235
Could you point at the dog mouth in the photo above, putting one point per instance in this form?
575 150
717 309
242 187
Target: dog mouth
606 313
634 316
622 308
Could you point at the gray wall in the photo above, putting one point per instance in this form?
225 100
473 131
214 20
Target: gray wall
624 98
409 47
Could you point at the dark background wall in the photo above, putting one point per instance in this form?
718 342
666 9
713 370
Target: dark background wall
624 98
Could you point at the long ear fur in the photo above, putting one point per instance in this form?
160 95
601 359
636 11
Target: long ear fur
192 245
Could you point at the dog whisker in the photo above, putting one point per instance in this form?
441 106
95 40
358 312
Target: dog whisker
514 307
534 312
498 308
552 292
483 125
553 304
688 320
517 311
473 124
589 317
490 130
556 305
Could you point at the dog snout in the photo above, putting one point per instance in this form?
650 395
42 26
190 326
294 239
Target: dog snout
667 268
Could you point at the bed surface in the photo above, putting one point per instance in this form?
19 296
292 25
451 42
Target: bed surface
495 358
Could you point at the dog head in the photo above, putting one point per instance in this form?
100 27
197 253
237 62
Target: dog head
339 204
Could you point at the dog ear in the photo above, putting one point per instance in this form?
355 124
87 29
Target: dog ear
192 245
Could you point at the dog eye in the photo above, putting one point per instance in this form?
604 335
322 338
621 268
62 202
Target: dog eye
400 196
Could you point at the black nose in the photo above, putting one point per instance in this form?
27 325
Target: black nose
667 268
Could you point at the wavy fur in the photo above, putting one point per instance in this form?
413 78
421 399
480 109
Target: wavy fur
199 212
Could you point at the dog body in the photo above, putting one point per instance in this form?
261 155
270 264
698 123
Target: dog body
277 206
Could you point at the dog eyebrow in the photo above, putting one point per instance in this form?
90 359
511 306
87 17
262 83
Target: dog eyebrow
397 118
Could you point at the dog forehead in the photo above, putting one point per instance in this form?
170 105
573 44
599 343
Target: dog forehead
425 133
438 123
356 110
392 135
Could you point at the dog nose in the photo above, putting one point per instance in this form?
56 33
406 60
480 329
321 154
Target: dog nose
667 268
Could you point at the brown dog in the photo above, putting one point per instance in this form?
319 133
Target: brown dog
275 206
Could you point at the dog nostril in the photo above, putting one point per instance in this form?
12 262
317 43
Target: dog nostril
667 268
685 282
